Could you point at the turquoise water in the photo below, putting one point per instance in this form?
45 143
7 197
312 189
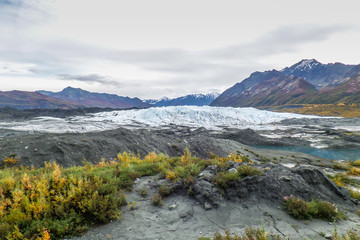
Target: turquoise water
335 154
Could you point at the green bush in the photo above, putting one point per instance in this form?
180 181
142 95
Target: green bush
223 178
248 170
156 200
57 203
164 190
250 234
301 209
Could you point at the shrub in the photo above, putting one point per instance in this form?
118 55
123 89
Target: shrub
354 171
340 166
297 207
164 190
189 180
143 191
250 234
10 161
247 170
56 198
223 178
156 200
171 175
186 157
67 200
358 212
301 209
355 163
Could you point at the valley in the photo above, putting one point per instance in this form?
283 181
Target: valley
188 167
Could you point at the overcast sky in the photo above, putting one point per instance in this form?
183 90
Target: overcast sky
156 48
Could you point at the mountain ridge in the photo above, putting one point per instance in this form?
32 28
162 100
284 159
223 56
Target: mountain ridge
32 100
93 99
187 100
295 85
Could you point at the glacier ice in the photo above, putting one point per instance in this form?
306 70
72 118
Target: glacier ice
193 116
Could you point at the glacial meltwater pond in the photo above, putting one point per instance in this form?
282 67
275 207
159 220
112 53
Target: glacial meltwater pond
334 154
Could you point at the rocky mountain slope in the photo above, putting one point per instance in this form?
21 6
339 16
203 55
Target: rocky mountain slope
32 100
265 89
347 93
188 100
307 82
92 99
322 75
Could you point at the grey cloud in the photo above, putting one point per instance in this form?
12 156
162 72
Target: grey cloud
90 78
215 68
281 40
21 14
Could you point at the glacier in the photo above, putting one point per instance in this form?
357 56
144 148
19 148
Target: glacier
212 118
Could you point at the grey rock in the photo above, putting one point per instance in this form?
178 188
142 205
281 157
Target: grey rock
328 236
207 206
232 170
173 206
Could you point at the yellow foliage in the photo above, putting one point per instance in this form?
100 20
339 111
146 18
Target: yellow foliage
29 195
341 110
16 234
102 163
152 157
45 235
10 161
185 158
171 175
338 181
354 194
354 171
128 158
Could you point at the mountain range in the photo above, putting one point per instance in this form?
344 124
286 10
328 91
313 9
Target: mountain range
306 82
70 98
29 100
188 100
91 99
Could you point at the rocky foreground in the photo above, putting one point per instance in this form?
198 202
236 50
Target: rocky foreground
202 208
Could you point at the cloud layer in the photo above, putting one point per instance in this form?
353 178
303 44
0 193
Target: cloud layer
26 50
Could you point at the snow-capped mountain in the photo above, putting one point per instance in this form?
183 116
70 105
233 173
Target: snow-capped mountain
306 82
188 100
192 116
321 75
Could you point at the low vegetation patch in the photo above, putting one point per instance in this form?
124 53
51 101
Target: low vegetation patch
156 200
222 179
260 234
57 201
248 170
250 234
300 209
53 202
340 110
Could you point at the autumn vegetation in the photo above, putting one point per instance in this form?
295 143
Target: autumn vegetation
53 202
339 110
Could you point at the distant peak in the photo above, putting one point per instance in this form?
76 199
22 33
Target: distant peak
304 65
71 88
307 62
